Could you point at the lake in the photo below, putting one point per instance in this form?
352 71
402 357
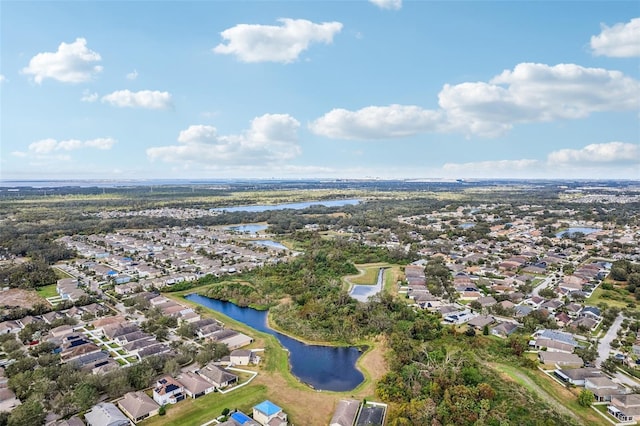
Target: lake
249 228
323 367
570 231
293 206
270 243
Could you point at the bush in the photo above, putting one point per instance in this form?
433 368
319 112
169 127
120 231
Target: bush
162 410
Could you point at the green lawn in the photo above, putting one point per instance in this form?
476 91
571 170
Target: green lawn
47 291
370 276
613 298
60 274
197 411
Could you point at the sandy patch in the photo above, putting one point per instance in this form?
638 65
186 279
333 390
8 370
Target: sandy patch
18 297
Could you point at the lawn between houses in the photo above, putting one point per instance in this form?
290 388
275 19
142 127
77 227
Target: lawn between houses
279 384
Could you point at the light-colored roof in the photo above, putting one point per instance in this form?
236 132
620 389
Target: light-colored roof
137 404
345 412
194 383
106 414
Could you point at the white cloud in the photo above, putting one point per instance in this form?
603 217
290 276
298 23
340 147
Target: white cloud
536 93
143 99
376 122
388 4
47 146
270 43
71 63
620 41
3 78
529 93
595 154
132 75
88 96
605 160
270 140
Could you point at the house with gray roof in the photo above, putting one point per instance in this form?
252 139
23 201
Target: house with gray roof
105 414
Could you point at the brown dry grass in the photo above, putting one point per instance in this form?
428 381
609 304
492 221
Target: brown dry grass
18 297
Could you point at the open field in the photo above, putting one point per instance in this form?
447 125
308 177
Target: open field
197 411
618 297
19 297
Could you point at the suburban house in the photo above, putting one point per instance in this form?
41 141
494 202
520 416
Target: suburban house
217 376
560 359
603 388
168 391
195 386
241 357
138 406
577 376
625 408
106 414
345 413
268 413
554 341
7 327
480 321
372 413
504 329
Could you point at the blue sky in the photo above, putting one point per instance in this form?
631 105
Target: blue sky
319 89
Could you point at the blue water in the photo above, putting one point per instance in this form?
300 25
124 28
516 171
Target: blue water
585 231
363 292
269 243
250 228
293 206
323 367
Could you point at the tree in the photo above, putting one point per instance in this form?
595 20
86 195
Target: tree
585 398
30 413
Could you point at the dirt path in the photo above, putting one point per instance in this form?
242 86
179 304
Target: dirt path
522 379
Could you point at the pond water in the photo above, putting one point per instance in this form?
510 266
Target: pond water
363 292
323 367
570 231
249 228
269 243
293 206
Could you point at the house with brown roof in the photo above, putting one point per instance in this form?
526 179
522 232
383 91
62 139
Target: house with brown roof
560 359
194 385
138 406
345 413
217 376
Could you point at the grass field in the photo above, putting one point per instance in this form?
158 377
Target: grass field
197 411
615 298
48 290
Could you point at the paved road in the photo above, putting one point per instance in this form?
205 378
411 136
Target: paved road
544 284
604 348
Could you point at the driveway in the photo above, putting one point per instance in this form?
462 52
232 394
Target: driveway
604 348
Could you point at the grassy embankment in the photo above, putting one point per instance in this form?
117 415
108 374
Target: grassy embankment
279 384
